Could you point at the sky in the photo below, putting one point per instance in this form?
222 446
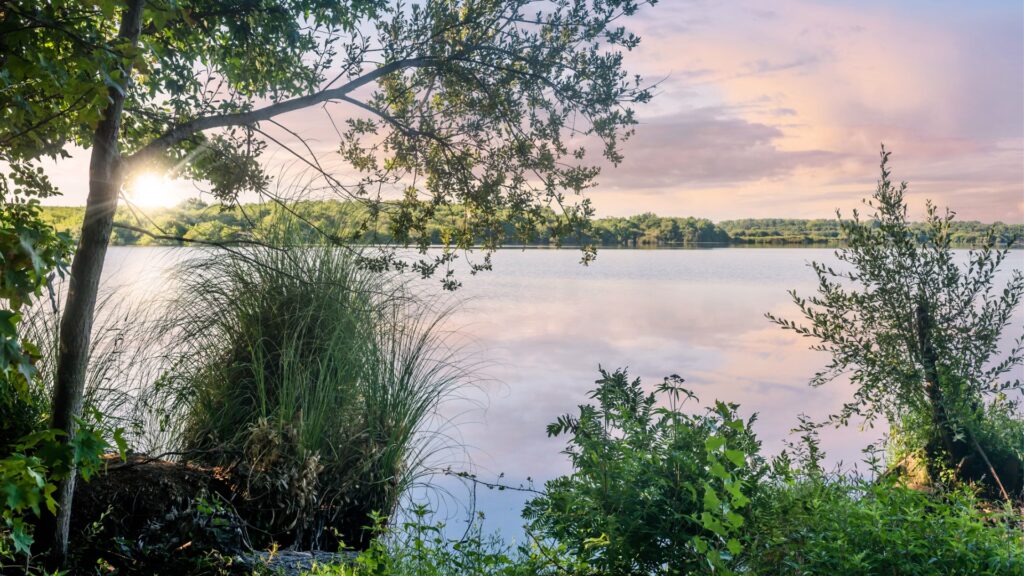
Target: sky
778 109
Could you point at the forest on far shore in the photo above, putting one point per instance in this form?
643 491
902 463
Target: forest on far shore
196 220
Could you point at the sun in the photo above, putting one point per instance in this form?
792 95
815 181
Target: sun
152 190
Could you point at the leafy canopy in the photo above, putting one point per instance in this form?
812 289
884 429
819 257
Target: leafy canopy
493 106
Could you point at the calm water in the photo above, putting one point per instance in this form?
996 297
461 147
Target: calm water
540 324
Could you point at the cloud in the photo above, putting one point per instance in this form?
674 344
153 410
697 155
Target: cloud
706 145
766 66
789 108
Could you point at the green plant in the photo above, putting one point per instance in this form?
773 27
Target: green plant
918 333
807 522
418 547
620 512
29 477
653 489
33 458
31 251
315 380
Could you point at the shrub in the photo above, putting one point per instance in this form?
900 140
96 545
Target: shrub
30 473
652 489
656 491
315 380
649 484
918 335
854 527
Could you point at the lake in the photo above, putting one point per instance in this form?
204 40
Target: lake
538 326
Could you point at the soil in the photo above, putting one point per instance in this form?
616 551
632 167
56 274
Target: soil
148 516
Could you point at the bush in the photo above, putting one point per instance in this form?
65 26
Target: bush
652 488
314 380
854 527
918 335
656 491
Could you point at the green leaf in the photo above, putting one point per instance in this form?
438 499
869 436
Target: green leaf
734 520
711 500
713 443
122 444
21 537
736 457
719 471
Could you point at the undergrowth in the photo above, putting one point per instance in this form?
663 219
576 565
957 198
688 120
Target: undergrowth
622 510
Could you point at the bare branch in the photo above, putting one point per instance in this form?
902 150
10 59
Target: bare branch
184 131
173 238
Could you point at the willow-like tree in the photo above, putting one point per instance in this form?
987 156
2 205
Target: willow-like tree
918 330
483 105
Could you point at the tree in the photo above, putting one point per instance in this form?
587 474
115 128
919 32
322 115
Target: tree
917 332
483 104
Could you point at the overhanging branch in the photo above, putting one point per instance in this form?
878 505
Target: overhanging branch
184 131
181 239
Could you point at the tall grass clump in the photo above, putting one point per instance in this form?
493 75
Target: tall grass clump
124 360
315 382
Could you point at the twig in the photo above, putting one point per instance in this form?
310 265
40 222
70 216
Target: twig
991 468
492 485
151 459
156 236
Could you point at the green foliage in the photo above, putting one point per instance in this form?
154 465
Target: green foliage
30 473
61 59
852 527
918 333
33 459
621 511
782 231
320 377
807 522
420 548
653 489
652 230
30 251
348 221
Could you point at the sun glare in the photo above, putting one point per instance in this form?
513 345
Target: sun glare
151 190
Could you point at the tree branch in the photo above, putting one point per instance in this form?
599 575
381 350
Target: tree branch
183 131
173 238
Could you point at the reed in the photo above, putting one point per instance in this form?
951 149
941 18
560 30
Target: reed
318 382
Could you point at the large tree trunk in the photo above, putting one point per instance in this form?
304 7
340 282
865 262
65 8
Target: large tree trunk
105 179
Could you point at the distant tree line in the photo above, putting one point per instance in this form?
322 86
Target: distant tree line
352 222
820 231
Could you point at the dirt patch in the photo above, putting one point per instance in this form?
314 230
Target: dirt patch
145 512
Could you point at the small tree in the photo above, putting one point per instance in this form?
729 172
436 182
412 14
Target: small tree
918 332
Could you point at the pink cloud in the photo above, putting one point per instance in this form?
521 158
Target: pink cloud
790 107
